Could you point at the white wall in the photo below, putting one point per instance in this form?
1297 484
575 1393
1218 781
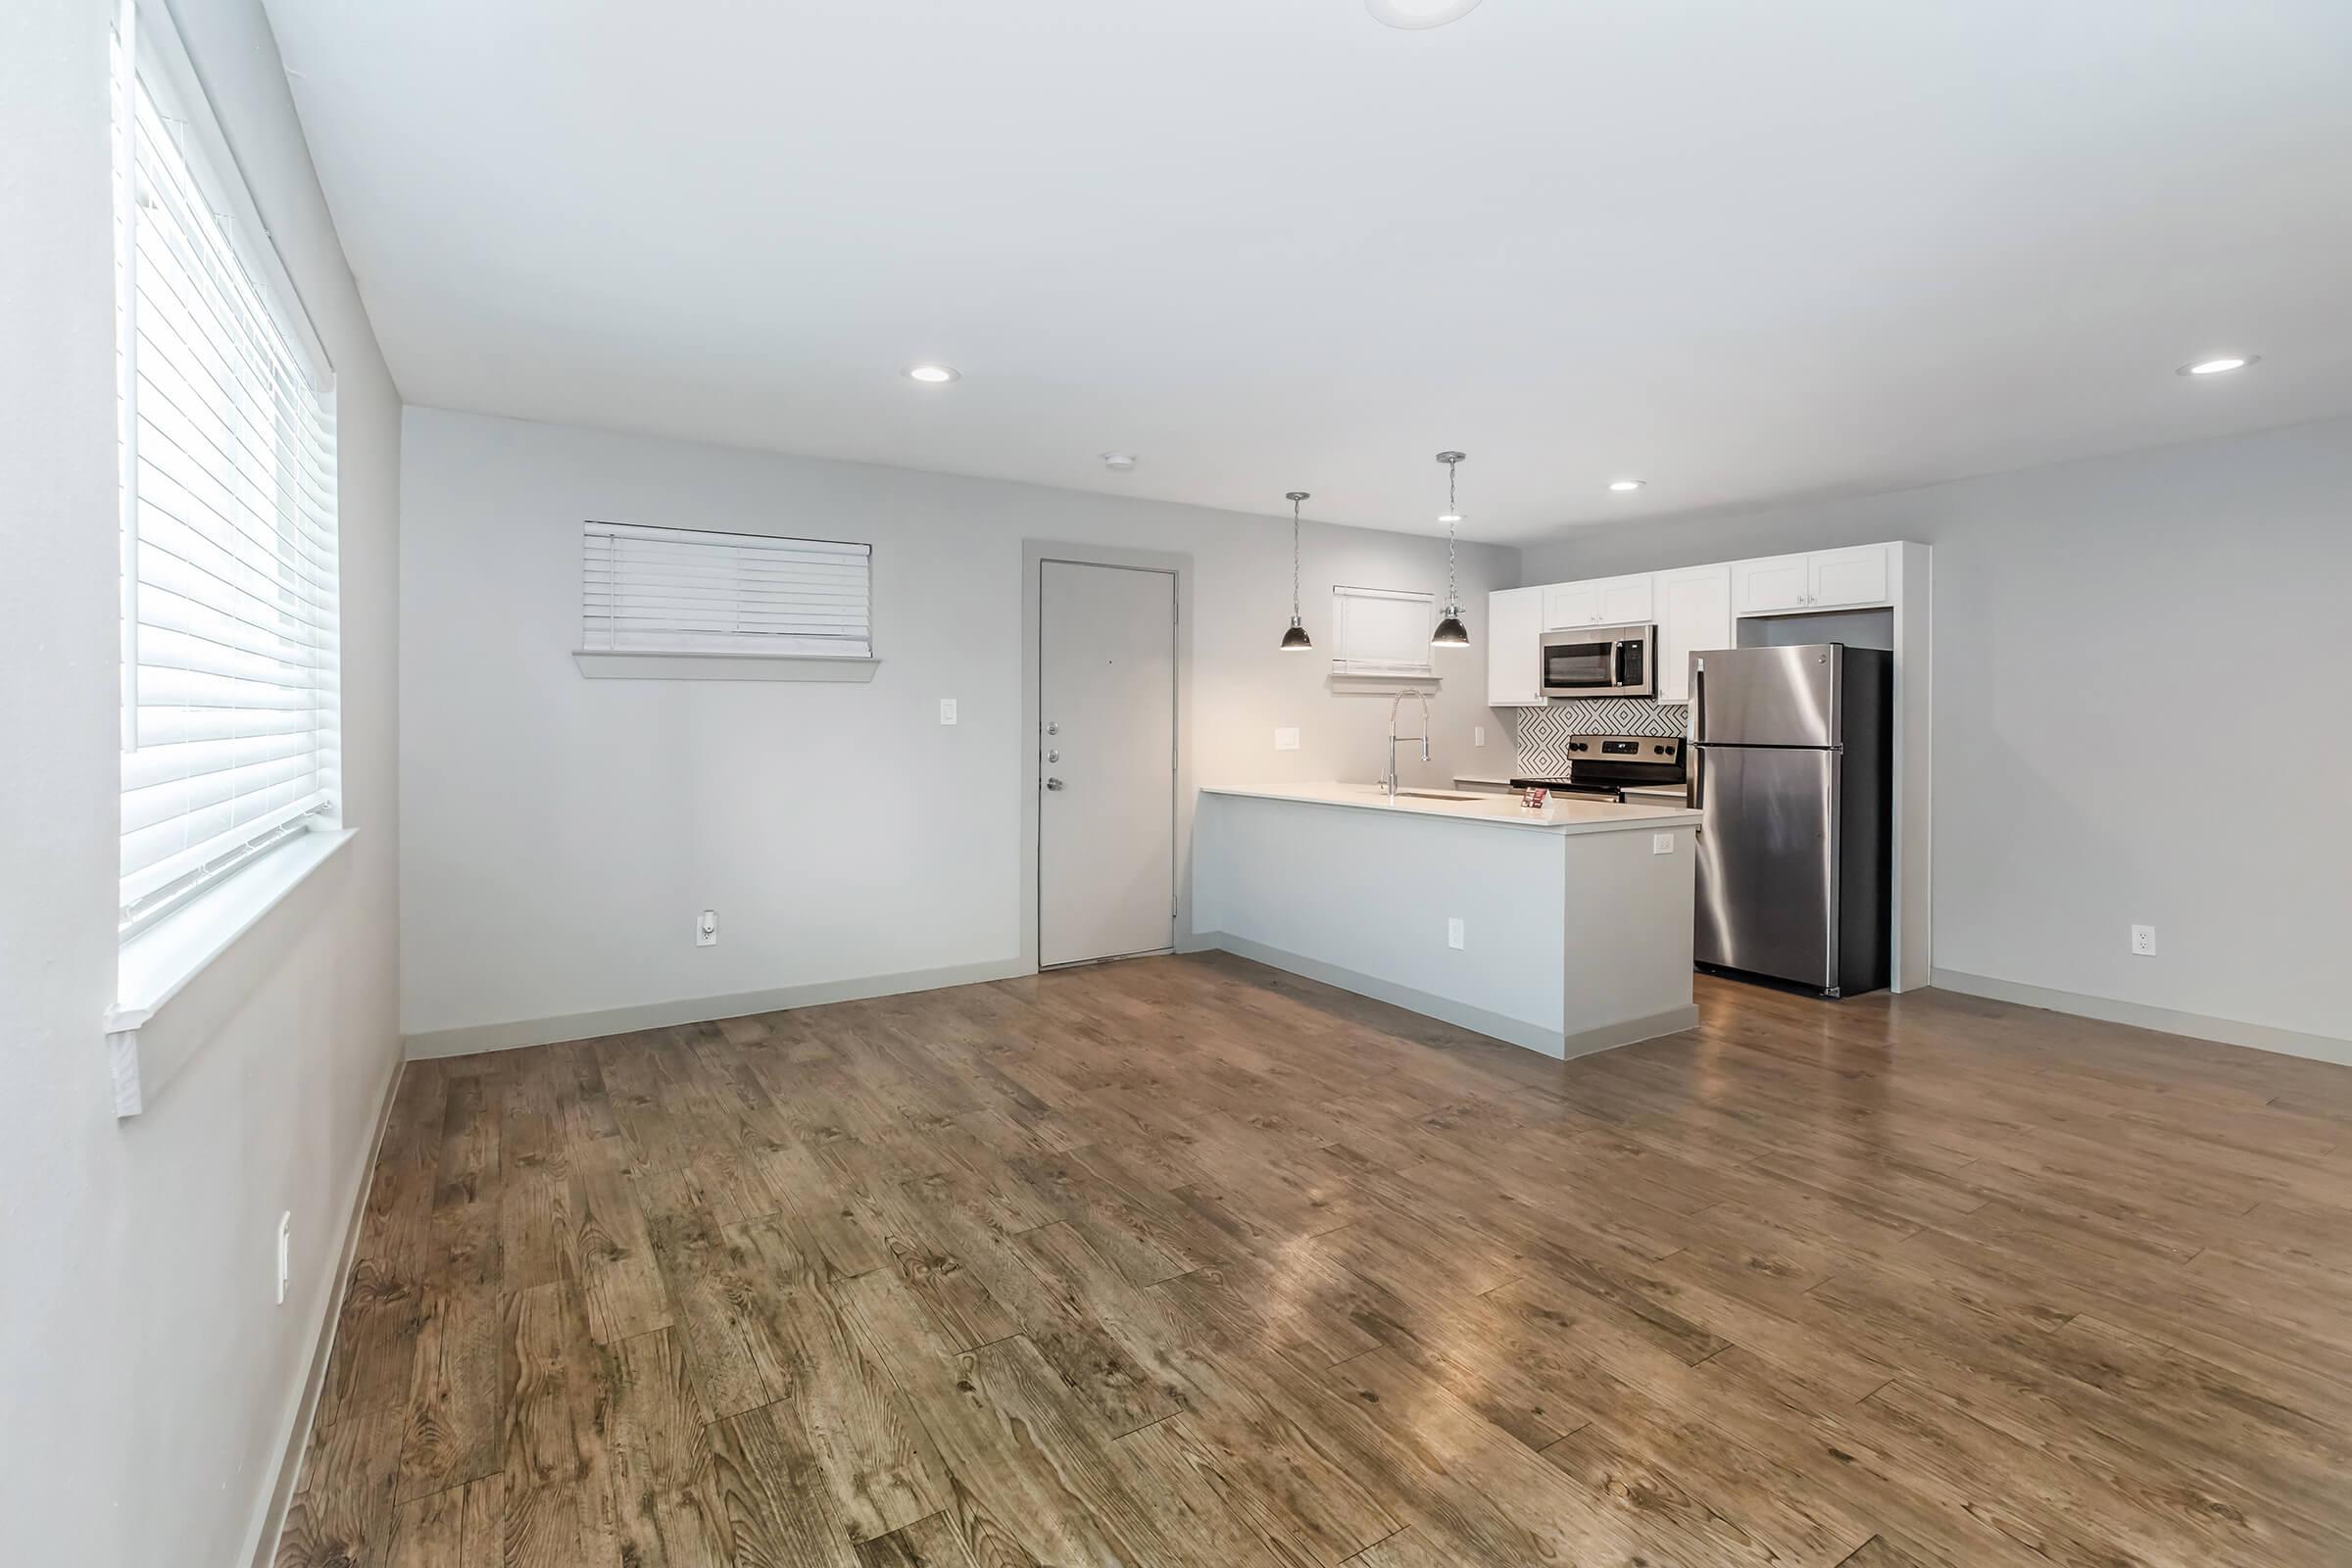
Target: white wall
2140 668
559 834
149 1377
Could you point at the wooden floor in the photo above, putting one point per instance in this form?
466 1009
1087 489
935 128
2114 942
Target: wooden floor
1185 1262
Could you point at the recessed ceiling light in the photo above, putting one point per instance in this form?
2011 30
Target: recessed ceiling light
1119 462
1414 15
1627 485
933 374
1451 518
2220 367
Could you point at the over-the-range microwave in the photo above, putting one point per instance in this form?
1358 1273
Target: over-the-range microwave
1601 661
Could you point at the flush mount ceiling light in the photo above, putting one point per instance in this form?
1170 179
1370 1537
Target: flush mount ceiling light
1119 462
2220 366
1414 15
1622 486
1296 638
1450 632
933 374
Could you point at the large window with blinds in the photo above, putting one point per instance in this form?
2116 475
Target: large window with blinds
227 447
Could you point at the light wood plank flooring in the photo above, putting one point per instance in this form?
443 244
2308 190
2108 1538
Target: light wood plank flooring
1186 1261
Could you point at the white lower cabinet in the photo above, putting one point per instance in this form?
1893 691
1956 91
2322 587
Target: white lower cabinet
1515 647
1694 614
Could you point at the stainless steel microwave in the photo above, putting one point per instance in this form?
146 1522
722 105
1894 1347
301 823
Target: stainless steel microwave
1601 661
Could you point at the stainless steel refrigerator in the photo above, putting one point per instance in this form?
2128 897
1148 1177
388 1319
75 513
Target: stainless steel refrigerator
1791 768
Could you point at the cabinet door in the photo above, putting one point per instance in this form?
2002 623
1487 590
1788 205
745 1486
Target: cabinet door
1571 604
1779 582
1845 578
1626 601
1514 648
1694 615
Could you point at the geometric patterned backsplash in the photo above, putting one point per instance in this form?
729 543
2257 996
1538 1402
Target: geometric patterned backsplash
1540 734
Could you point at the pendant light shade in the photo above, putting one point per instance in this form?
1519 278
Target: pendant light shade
1450 632
1296 639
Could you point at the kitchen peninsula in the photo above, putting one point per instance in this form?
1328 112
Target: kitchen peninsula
1575 919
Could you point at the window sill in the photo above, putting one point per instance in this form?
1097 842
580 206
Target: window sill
1359 683
158 963
601 665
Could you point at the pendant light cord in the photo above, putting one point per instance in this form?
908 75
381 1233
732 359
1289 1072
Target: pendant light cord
1295 559
1453 598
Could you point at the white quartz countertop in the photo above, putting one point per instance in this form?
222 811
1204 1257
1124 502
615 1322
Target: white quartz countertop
1563 815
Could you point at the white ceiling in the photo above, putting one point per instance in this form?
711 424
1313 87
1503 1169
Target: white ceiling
1748 252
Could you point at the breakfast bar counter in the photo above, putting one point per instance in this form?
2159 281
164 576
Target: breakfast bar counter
1565 929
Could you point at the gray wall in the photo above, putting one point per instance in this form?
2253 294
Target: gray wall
150 1378
559 834
2142 669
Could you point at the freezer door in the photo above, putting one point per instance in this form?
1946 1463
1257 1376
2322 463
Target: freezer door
1768 863
1766 695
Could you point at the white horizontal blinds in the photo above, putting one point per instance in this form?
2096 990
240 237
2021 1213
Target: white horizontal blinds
231 735
687 591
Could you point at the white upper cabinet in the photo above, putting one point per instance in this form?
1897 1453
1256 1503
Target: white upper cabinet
1694 615
1844 577
1760 587
1602 601
1571 604
1825 580
1514 652
1628 601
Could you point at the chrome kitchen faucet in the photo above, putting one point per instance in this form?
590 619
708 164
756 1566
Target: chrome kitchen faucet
1389 779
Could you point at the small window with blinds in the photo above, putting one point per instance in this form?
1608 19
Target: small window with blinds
228 453
668 591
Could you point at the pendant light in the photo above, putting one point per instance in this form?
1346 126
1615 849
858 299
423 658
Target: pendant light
1450 632
1296 638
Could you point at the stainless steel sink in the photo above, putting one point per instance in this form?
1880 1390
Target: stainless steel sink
1433 795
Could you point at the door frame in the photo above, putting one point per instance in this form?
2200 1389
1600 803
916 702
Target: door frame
1035 552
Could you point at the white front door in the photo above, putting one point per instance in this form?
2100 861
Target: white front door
1106 761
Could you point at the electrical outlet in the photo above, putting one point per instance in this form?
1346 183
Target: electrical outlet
1286 740
1661 844
946 709
2143 941
1478 734
286 1253
706 929
1453 933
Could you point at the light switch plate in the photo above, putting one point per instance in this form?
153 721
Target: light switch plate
946 709
1286 740
1453 933
1478 734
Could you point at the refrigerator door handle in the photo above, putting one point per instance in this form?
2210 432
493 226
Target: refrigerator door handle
1698 699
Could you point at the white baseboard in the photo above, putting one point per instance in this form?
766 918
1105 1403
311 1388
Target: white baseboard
476 1037
272 1521
1515 1031
2164 1021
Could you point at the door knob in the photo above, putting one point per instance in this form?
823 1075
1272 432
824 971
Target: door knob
1052 783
